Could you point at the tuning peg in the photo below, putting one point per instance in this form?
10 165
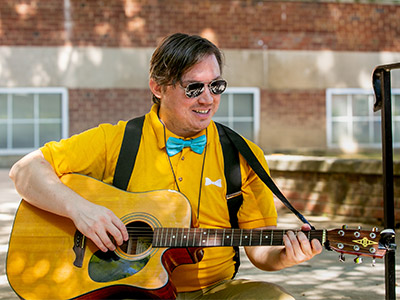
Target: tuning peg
373 262
375 229
341 257
358 260
345 227
359 227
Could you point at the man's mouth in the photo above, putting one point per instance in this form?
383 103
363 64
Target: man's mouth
202 111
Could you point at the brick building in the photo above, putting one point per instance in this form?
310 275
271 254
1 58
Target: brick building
299 72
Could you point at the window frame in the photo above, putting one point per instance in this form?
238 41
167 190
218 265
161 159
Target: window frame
35 91
371 118
230 119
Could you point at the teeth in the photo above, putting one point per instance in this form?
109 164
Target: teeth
202 111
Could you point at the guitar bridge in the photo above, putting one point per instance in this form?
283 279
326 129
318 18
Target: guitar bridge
79 248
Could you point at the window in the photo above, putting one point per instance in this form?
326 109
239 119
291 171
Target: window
352 122
30 117
240 110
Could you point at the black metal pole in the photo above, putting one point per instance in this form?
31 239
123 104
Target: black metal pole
388 190
382 86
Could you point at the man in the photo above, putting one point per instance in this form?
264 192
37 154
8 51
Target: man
186 82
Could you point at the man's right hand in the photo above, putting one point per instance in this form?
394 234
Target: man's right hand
98 223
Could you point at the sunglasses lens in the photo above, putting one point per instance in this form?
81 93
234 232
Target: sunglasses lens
194 90
218 87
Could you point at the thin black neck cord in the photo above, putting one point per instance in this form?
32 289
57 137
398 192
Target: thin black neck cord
201 175
201 179
169 160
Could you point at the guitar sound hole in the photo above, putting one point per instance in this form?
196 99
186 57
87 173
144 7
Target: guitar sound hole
140 238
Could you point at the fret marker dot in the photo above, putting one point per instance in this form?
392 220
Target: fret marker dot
227 236
184 236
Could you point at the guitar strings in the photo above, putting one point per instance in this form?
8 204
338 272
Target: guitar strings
195 236
192 235
195 233
227 230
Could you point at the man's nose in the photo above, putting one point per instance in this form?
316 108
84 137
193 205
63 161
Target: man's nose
206 96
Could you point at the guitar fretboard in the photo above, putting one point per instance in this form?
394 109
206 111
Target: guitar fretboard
204 237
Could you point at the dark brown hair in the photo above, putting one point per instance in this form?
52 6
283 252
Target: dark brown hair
176 54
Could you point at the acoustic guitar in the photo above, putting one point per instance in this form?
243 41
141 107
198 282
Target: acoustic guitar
49 259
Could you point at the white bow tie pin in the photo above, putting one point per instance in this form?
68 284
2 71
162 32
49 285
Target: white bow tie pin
216 183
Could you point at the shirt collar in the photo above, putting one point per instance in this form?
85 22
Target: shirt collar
158 128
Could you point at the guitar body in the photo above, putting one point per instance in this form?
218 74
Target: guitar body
49 259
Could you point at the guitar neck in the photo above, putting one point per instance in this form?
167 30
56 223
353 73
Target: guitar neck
204 237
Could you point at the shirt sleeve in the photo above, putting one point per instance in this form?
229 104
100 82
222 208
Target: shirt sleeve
258 208
93 152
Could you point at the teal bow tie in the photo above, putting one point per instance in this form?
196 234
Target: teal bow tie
174 145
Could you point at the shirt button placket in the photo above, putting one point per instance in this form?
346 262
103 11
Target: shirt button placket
180 166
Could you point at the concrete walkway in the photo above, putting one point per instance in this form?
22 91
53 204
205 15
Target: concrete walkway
324 277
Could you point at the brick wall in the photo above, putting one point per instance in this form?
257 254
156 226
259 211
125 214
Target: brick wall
232 23
90 107
298 115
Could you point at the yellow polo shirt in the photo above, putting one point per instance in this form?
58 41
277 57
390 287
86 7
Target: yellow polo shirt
95 153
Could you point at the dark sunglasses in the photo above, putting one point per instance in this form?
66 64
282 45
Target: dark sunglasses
195 89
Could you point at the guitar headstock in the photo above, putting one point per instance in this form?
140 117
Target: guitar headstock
356 242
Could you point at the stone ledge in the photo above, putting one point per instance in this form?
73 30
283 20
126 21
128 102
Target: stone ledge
327 164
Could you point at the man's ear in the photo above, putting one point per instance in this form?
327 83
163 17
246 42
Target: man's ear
155 88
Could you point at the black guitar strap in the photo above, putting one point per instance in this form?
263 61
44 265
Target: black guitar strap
233 179
247 153
128 153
